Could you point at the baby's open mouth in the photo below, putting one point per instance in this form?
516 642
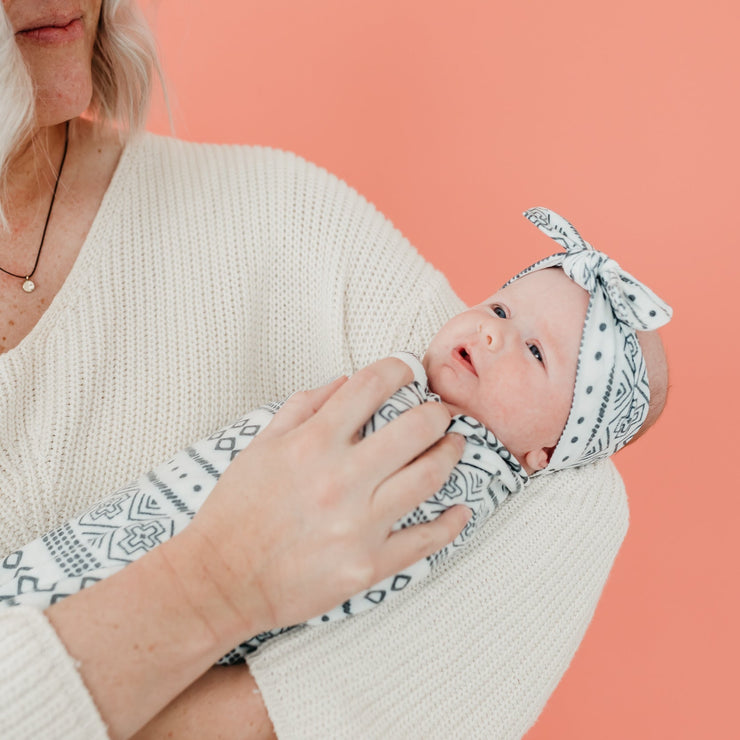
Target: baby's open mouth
466 359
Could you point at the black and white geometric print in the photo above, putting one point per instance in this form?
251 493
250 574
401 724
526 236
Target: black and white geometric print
612 394
138 517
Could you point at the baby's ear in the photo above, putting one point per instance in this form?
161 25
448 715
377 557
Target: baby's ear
538 459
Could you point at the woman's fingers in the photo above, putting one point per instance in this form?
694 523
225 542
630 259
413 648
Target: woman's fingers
411 544
301 406
345 404
419 480
402 440
355 402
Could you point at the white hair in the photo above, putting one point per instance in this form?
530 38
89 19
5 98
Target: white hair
16 101
123 66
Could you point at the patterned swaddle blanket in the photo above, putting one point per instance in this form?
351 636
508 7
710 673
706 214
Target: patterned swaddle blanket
136 518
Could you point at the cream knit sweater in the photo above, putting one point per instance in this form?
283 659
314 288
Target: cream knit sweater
213 279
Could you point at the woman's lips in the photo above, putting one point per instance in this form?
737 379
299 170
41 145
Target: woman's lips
54 32
464 358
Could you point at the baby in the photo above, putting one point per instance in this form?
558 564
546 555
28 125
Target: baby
555 361
547 374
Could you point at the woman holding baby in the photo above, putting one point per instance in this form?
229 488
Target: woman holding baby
151 290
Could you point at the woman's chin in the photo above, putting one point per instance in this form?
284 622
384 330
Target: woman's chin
57 106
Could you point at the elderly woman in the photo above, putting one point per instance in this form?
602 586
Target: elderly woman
151 290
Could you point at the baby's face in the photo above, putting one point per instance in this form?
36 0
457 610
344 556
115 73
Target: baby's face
510 362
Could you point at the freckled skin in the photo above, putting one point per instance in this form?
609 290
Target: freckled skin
62 82
47 64
524 401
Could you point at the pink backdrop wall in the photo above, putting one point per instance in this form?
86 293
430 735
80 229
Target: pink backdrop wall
624 117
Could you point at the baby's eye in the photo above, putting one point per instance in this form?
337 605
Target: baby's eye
500 311
535 350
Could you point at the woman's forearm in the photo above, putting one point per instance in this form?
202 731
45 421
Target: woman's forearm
141 637
223 703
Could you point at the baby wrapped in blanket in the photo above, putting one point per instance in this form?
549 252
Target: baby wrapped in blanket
546 374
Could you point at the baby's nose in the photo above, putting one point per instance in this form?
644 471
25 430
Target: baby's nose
493 333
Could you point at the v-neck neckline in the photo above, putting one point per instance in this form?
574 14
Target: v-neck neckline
85 257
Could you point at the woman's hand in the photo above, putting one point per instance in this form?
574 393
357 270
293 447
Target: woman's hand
299 521
302 518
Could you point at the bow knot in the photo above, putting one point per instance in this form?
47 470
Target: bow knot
587 267
633 303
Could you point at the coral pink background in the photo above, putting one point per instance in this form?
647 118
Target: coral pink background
624 117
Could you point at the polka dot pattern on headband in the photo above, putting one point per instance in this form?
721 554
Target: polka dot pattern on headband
611 395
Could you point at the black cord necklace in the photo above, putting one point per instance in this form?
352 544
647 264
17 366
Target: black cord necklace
28 285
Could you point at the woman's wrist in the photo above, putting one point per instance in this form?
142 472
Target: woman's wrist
225 604
138 638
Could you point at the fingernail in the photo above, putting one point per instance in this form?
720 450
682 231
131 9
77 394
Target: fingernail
459 440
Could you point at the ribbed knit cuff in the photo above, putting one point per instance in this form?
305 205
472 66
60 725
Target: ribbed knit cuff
43 695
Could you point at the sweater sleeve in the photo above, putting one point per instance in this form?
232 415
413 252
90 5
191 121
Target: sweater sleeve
477 650
43 695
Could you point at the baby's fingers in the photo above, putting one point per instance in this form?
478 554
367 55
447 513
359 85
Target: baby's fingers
407 546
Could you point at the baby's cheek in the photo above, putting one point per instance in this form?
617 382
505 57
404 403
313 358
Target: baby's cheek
546 425
529 421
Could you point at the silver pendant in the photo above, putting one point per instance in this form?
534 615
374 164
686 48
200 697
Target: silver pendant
28 285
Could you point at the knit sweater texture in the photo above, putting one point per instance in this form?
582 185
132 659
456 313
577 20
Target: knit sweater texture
213 279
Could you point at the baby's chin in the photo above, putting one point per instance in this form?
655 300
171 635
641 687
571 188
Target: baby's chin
451 407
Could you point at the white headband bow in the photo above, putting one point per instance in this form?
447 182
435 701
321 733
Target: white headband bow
611 395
